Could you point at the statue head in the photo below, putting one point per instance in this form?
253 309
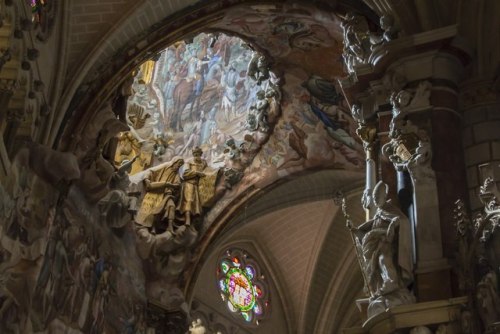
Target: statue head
380 194
177 162
251 121
386 22
357 113
401 99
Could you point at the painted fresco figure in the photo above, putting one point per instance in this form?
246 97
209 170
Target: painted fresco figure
159 203
209 125
182 94
230 95
168 94
198 86
189 202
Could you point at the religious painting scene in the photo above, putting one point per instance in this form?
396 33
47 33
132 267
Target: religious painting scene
217 95
211 93
249 167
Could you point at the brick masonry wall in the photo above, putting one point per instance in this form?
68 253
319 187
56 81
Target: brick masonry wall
119 20
90 20
481 140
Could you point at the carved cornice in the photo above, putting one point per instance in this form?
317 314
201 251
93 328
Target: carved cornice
398 52
404 316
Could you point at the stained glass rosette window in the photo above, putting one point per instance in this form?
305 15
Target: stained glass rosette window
242 286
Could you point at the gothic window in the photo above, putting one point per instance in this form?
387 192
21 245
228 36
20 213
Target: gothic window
242 286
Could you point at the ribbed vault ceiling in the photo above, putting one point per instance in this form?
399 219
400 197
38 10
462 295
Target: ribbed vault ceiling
293 223
302 234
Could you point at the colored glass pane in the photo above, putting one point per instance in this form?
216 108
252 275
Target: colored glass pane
250 272
257 309
241 286
225 267
231 307
247 316
240 289
258 291
222 285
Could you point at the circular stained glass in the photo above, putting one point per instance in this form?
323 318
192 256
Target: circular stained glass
241 285
241 291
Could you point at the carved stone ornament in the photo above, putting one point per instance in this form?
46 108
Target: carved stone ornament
477 239
387 269
391 31
410 147
356 40
197 327
420 330
258 114
360 43
258 68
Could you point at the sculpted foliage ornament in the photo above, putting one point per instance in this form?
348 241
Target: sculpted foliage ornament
409 147
360 43
476 239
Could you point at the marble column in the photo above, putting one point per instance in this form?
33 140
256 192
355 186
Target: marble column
434 195
439 118
387 172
